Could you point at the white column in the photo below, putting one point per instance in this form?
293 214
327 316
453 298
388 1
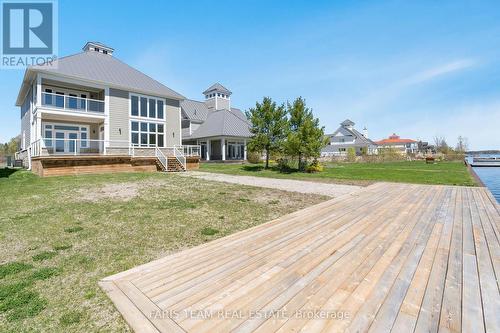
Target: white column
208 150
106 143
245 150
38 90
223 148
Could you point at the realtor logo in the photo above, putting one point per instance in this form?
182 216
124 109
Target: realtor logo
28 33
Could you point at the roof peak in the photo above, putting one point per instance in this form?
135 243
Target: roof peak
217 87
347 122
98 47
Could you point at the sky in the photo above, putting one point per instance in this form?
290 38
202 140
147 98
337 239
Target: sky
416 68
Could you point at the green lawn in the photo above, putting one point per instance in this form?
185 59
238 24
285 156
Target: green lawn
59 236
449 173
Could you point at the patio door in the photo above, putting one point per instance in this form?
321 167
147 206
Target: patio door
66 142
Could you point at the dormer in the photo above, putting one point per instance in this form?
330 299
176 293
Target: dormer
98 47
218 97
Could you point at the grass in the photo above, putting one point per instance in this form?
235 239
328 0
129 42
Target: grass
444 173
57 241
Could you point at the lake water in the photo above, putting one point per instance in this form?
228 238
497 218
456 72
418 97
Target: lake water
490 176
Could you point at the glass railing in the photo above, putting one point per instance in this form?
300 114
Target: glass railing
72 103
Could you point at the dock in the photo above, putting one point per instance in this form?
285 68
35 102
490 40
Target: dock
389 257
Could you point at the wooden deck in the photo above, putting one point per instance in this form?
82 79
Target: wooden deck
391 257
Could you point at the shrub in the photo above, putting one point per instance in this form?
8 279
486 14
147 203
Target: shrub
253 157
315 166
351 154
284 165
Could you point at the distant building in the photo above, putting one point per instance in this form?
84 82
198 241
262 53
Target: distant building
345 137
220 130
403 146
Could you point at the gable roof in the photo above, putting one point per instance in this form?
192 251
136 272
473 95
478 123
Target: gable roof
347 122
103 69
217 87
359 139
223 123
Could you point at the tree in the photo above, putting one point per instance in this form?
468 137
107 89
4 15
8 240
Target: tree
268 126
11 147
306 137
462 144
441 144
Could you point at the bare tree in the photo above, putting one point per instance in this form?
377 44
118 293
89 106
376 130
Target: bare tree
441 144
462 144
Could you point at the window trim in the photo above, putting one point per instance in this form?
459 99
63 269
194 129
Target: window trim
147 132
148 97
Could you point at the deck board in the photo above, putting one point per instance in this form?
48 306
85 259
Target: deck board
390 257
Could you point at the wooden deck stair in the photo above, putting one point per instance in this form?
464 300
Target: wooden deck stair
173 165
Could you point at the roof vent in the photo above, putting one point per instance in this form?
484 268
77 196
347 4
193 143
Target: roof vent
98 47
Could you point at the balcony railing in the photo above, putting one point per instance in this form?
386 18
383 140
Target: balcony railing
72 103
77 147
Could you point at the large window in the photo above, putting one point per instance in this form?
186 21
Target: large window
146 134
146 107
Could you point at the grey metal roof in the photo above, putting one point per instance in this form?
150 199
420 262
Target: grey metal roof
98 44
217 87
108 70
359 139
223 123
347 122
194 110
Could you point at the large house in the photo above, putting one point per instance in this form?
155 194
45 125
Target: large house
345 137
396 143
220 130
90 112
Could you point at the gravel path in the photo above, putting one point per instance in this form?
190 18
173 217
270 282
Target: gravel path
332 190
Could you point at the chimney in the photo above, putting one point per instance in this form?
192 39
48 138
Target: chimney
365 132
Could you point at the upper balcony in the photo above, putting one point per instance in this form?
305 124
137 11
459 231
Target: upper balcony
72 103
61 96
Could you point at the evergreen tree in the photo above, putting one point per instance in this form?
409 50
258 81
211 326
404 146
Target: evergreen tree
306 137
269 127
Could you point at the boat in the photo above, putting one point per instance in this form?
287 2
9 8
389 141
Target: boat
485 162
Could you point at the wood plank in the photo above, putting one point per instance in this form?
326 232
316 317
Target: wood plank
393 257
472 311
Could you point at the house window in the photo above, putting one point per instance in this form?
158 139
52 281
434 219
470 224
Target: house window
144 107
152 108
48 135
146 134
135 106
160 110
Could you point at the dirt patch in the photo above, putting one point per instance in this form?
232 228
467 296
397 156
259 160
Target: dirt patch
119 191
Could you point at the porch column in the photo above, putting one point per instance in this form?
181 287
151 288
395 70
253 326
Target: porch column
106 138
208 150
223 148
244 150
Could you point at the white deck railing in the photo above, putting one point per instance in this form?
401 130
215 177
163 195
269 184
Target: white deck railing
72 103
87 147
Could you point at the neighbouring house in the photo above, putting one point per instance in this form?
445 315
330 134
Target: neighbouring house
90 112
345 137
396 143
220 130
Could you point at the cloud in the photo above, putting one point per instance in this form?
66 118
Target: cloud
433 73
